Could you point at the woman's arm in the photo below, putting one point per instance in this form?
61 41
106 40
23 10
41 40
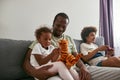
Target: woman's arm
26 65
84 74
41 73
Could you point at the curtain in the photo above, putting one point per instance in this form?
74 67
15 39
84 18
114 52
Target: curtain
116 30
106 21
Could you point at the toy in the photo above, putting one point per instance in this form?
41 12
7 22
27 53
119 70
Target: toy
67 57
110 52
110 49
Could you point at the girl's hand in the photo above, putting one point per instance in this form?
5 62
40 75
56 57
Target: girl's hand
55 54
103 48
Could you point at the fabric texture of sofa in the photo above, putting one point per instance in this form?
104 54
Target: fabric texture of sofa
12 53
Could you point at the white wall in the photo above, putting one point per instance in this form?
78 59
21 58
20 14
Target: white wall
20 18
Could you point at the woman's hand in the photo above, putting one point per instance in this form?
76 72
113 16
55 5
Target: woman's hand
43 73
84 74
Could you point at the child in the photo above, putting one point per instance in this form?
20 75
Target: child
92 53
44 53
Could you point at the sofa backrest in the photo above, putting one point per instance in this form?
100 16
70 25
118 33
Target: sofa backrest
12 53
99 41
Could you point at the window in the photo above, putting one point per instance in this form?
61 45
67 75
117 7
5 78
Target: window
116 26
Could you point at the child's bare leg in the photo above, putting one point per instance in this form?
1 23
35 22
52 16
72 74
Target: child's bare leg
111 62
75 74
60 68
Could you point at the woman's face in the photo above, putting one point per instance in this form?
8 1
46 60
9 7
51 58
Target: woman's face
59 26
45 39
90 38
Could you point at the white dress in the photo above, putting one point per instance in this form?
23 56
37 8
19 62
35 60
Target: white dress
38 49
86 48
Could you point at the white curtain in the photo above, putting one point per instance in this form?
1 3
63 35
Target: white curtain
116 28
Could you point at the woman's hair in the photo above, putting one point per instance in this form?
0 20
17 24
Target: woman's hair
86 31
40 30
64 15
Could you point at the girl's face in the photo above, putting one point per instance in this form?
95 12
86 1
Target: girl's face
45 39
90 38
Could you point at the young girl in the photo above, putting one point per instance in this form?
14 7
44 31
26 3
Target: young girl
92 53
44 53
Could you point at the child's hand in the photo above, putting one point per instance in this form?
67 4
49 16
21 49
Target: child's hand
55 54
103 48
110 49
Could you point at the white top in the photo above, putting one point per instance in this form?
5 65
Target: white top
55 40
38 49
85 48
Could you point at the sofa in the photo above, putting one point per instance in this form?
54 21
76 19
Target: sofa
12 54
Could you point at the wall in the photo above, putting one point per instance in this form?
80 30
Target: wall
20 18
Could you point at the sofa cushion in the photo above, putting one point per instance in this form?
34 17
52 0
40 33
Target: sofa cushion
77 44
12 53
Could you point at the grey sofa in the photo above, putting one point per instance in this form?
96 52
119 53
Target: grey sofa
12 54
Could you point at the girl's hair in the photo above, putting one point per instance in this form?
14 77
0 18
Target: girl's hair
86 31
40 30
